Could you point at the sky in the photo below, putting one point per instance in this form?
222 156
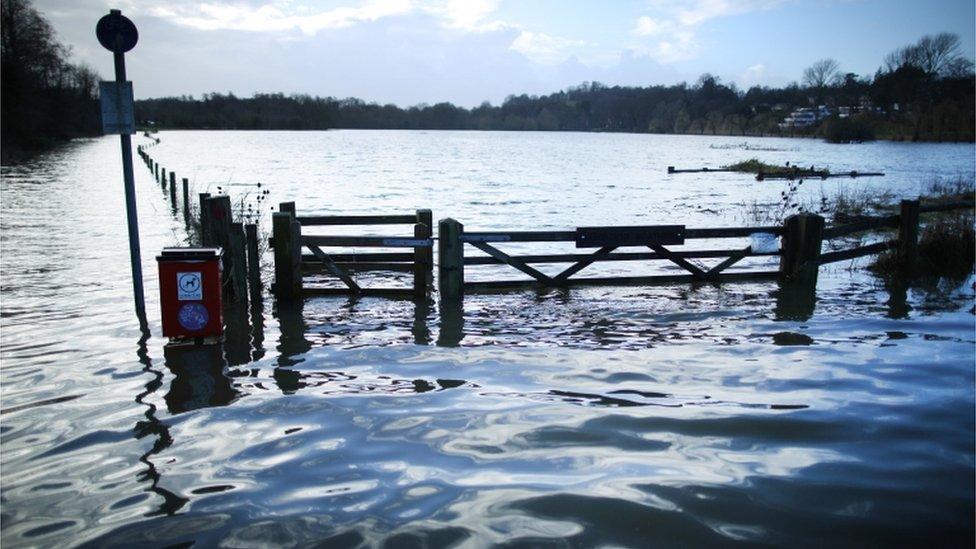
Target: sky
410 52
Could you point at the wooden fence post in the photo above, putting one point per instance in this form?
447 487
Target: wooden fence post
288 263
420 268
186 199
450 250
238 261
253 260
427 218
220 218
908 234
156 170
205 238
802 240
172 189
162 180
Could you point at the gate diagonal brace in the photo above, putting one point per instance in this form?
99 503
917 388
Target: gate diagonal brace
725 264
696 271
334 269
513 261
583 263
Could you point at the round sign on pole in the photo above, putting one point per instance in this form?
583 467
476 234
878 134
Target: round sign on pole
116 32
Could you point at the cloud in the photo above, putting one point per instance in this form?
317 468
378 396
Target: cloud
675 24
648 27
276 16
466 14
543 48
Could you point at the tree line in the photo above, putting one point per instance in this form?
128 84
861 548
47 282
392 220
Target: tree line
43 97
924 91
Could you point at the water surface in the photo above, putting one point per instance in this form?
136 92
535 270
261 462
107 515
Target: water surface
669 416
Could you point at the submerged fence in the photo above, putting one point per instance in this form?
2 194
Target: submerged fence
302 256
291 236
800 253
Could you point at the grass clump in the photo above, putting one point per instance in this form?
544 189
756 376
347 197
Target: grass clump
754 165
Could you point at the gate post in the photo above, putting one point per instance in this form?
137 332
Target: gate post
908 234
800 254
427 218
450 251
287 238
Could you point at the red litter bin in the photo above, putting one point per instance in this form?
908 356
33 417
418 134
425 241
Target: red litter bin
189 291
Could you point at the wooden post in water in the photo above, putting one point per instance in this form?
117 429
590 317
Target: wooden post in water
427 218
253 260
450 252
186 200
205 238
220 218
802 240
287 254
172 189
420 268
238 261
908 234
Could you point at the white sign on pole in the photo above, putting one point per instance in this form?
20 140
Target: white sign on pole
118 112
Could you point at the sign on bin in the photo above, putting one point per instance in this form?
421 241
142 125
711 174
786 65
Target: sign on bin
190 292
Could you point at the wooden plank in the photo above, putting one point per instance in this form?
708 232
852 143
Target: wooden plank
596 237
672 169
500 285
514 262
520 236
947 207
731 232
406 257
570 236
584 263
316 266
860 226
333 268
311 220
367 241
620 256
679 261
732 260
871 249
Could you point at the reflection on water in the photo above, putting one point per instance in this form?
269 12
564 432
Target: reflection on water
199 377
153 427
643 416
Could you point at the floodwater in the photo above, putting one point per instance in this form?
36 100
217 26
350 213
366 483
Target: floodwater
640 416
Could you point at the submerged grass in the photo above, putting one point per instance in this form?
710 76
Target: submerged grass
756 166
946 248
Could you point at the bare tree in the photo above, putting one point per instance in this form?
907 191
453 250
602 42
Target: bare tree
936 55
820 73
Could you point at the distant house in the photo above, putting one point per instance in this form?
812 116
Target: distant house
804 117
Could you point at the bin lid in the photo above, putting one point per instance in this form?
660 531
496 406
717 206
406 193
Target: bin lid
189 254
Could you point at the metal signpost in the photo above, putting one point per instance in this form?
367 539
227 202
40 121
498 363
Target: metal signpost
118 34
